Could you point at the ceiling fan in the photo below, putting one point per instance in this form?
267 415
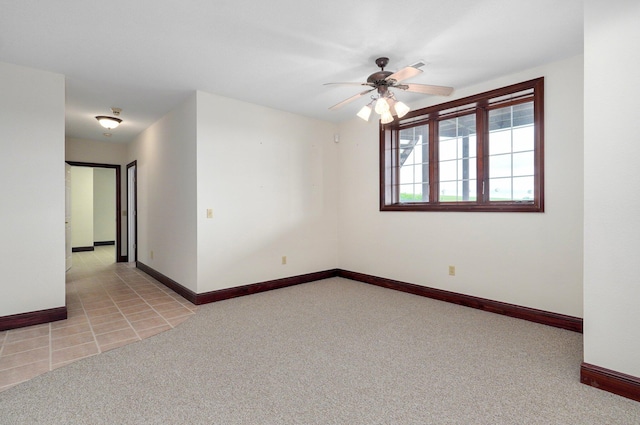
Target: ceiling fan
386 103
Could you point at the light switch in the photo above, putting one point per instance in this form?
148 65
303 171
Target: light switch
209 213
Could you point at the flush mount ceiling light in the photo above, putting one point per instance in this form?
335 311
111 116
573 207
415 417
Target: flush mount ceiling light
110 122
385 102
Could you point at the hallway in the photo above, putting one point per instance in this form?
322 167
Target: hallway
109 305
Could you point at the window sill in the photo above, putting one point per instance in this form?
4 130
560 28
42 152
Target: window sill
466 207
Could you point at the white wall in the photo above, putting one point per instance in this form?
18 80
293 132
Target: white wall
528 259
166 166
83 150
104 204
271 179
611 179
32 226
81 207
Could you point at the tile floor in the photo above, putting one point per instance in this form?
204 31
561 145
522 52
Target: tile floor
108 304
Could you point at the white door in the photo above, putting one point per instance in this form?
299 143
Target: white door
67 215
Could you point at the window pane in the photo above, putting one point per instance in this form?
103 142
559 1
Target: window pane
457 158
414 174
500 119
458 191
448 192
468 148
511 155
416 153
448 149
523 138
406 174
523 188
500 189
466 169
406 193
448 171
414 193
468 187
500 142
412 154
500 166
523 114
410 159
517 189
413 158
523 164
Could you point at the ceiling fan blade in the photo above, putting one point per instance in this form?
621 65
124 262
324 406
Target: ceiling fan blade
404 73
349 84
426 89
351 99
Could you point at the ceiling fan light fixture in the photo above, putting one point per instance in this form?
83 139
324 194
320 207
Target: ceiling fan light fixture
386 117
401 109
386 105
382 105
365 112
108 122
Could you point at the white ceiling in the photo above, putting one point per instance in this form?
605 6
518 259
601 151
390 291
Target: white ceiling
147 56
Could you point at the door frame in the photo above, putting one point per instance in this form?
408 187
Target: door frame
68 250
133 211
119 257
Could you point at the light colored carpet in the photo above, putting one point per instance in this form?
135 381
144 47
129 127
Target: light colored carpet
328 352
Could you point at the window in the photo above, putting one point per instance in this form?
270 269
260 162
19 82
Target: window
480 153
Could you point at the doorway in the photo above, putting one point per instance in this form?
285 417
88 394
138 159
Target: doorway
67 217
118 224
132 210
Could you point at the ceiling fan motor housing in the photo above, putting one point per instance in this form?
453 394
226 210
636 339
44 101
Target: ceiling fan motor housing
379 77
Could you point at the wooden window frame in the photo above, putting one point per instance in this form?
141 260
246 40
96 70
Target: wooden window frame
480 103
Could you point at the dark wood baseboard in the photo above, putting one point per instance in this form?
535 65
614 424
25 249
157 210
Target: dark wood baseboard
82 249
122 259
254 288
531 314
32 318
526 313
104 243
609 380
238 291
184 292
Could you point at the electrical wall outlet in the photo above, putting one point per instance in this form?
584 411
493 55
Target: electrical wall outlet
284 260
452 270
151 255
209 213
